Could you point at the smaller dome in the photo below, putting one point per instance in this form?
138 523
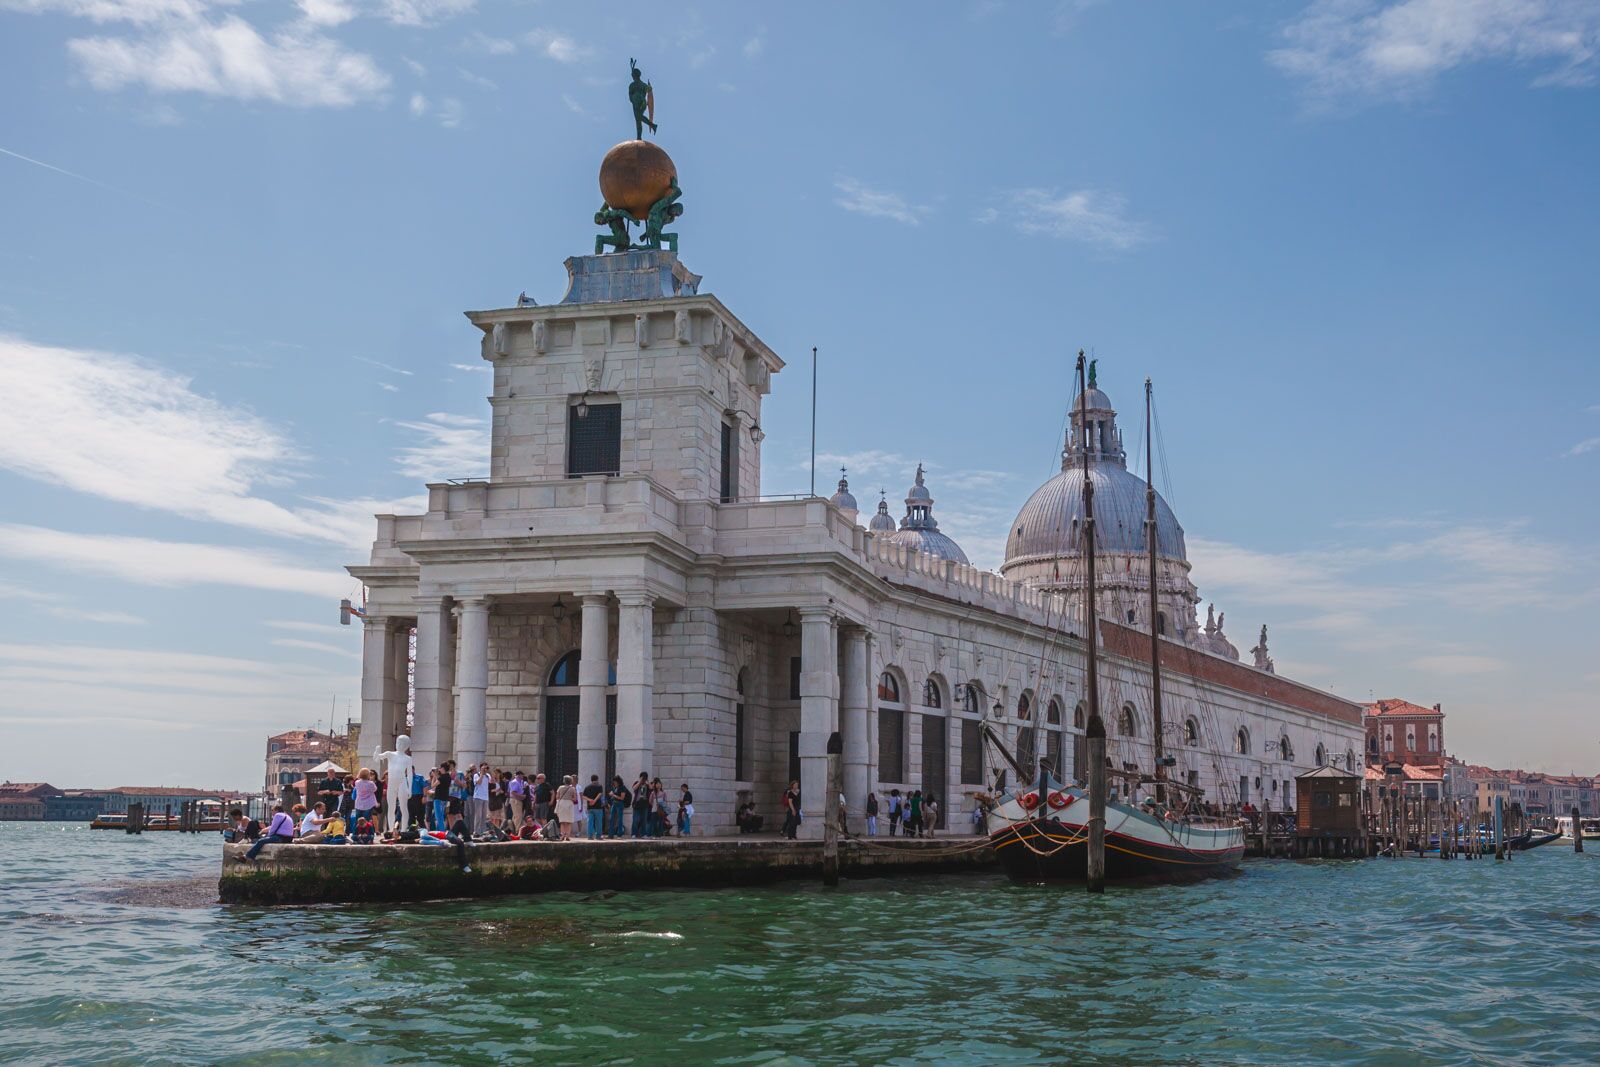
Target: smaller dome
843 499
1094 400
882 522
918 493
919 529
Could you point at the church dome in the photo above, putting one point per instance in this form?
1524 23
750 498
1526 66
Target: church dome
919 529
1049 525
844 500
882 522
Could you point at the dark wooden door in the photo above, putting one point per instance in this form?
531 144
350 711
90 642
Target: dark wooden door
935 763
560 737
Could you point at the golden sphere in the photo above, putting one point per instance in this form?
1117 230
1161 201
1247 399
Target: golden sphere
634 175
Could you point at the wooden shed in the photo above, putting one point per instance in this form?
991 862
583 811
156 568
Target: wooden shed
1328 803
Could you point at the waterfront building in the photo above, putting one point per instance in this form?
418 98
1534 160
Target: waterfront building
1403 732
291 754
24 801
618 596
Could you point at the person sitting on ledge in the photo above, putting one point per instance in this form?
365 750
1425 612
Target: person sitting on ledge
311 823
280 831
749 822
529 831
364 832
243 829
333 831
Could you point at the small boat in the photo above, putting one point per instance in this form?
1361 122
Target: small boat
1534 838
1590 828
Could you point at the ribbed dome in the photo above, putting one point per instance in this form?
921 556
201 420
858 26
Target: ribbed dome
1049 524
919 529
882 522
844 500
929 542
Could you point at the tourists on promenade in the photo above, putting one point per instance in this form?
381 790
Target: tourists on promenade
617 799
364 794
872 814
364 832
594 806
641 805
930 815
243 829
566 806
517 793
749 822
497 799
542 795
417 801
529 830
334 830
791 811
312 822
913 823
328 790
894 811
460 793
685 809
439 792
280 831
662 821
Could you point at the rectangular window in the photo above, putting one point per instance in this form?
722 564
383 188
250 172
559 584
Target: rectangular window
1080 757
891 745
738 744
971 753
794 756
794 677
594 440
1056 755
730 463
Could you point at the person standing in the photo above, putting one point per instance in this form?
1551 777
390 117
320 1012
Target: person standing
930 815
479 811
872 814
518 794
441 798
641 805
685 809
365 793
791 811
594 804
566 806
617 800
914 814
894 811
415 803
497 801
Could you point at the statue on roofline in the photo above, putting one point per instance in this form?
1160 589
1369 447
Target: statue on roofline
617 221
662 213
642 95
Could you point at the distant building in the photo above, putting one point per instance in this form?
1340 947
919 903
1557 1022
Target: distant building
75 805
1403 732
290 755
24 801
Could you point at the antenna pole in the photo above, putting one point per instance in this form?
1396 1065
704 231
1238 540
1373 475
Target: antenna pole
1150 540
1095 732
813 420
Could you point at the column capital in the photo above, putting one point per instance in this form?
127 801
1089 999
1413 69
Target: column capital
593 598
635 599
813 612
473 603
431 602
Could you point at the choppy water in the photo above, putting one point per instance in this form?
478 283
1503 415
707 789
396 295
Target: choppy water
1403 962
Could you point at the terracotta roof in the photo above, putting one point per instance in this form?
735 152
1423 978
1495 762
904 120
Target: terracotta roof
27 789
1396 706
165 791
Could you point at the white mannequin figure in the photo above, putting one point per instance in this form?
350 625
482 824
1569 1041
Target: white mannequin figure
401 768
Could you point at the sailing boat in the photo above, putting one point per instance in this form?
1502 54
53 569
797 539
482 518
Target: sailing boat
1044 828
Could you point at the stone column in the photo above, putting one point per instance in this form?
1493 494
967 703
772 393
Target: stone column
872 716
819 712
398 690
377 679
435 651
854 712
594 674
472 727
635 685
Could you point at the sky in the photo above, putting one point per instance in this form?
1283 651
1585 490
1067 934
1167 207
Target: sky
1351 242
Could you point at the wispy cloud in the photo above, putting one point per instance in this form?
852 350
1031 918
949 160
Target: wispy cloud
79 177
1353 49
167 563
376 363
1459 663
1588 444
475 368
314 646
877 203
424 12
557 46
451 446
1086 216
756 45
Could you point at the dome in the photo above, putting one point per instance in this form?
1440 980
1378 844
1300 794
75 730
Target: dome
844 500
882 522
919 529
1048 524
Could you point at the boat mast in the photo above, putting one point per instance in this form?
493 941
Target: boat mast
1150 540
1095 731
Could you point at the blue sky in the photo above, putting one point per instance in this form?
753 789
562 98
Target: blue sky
1353 243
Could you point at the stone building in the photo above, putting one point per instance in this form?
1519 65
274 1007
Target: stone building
291 754
1398 730
617 596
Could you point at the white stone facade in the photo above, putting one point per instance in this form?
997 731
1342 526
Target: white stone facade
704 603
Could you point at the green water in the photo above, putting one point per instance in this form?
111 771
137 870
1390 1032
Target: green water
1403 962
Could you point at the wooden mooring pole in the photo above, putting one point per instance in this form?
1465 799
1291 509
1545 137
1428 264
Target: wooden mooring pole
1577 832
1096 860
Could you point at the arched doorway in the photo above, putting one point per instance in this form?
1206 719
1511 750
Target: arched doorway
560 750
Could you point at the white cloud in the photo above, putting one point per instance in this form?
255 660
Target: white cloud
110 618
474 368
325 629
138 12
326 12
1588 444
452 446
168 563
478 41
229 57
1083 215
119 428
476 79
877 203
424 12
386 387
314 646
558 46
450 112
419 108
1459 663
1364 48
373 362
573 106
756 45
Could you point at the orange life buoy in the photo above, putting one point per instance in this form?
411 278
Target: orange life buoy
1059 800
1029 801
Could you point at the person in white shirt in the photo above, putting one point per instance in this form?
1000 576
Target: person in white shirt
311 824
478 813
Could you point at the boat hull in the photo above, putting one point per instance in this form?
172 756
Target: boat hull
1053 850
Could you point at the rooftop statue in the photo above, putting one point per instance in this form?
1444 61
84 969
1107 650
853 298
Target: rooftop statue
619 240
662 212
642 95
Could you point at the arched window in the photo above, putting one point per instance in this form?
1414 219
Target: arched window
1126 724
1285 749
1350 759
888 688
1053 712
1161 622
1078 717
1372 744
931 697
1191 732
971 699
565 673
1322 756
560 752
1241 742
1027 749
892 730
1133 616
1025 706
